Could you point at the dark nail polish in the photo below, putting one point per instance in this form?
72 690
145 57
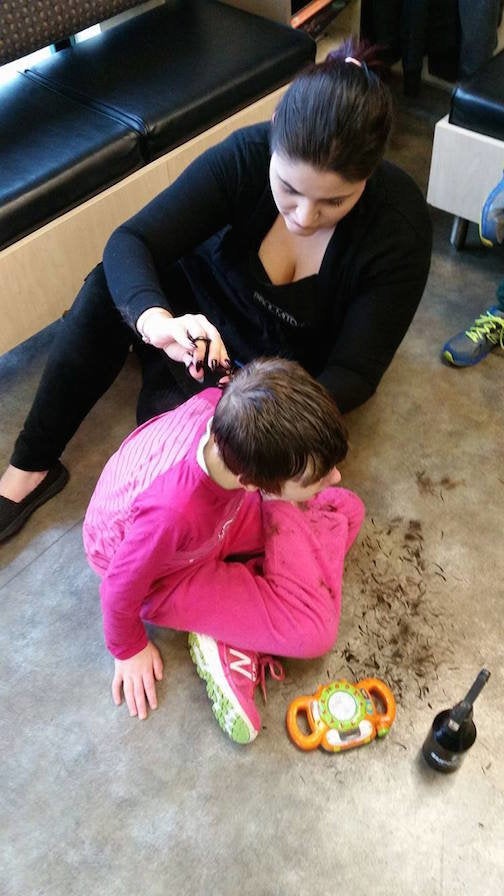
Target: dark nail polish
199 365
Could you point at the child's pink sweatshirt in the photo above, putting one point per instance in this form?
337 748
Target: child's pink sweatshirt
162 536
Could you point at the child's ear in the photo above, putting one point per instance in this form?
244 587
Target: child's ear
247 486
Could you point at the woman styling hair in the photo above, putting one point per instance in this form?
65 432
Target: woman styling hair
289 238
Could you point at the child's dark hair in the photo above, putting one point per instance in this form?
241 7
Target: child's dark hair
275 422
336 115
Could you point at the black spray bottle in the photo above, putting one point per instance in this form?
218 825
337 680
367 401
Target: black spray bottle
453 731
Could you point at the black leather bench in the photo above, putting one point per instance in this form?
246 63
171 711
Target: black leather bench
91 134
172 72
477 103
55 153
95 112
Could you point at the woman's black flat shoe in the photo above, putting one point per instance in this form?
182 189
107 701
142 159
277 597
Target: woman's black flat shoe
13 514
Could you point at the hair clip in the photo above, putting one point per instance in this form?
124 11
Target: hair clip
363 66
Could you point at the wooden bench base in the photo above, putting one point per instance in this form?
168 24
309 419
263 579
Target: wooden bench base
42 273
465 166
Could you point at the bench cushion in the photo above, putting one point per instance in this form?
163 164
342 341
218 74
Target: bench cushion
172 72
478 102
53 154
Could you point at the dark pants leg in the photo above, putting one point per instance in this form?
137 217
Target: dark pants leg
89 350
165 384
479 23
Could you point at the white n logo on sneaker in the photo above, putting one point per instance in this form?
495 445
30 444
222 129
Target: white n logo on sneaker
241 663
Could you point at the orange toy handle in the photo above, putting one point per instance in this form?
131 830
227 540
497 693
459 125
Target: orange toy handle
304 741
378 688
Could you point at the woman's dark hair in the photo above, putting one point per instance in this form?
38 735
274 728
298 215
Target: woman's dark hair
275 422
336 115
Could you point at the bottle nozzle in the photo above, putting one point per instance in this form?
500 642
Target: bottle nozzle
477 687
463 710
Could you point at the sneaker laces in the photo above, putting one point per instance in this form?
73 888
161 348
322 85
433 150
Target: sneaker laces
275 668
487 326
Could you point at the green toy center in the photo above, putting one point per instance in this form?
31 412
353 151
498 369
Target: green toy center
342 706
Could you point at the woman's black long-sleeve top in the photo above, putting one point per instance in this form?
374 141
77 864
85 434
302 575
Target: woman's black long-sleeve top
344 324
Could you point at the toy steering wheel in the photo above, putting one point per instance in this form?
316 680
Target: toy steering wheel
341 715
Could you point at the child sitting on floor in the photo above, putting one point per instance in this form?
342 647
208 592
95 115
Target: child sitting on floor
221 518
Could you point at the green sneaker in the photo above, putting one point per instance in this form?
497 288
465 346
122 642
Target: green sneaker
231 678
471 346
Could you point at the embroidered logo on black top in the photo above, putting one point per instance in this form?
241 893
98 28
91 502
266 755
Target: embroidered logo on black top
278 312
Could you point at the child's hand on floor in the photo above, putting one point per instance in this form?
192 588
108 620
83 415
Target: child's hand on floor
137 678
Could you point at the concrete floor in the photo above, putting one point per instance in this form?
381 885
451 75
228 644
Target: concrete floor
94 802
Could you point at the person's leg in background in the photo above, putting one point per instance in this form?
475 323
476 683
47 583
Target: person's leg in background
478 25
482 336
487 332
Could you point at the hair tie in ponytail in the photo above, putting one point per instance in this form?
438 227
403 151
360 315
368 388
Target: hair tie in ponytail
360 64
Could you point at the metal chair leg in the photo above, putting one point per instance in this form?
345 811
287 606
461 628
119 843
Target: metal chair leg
459 232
